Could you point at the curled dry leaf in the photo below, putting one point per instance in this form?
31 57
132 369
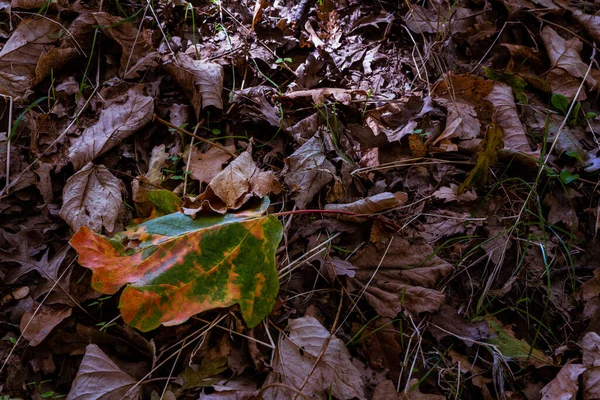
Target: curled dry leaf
20 55
36 326
137 51
233 187
92 198
307 171
370 205
125 115
201 82
308 343
565 385
450 193
402 277
318 96
151 180
99 378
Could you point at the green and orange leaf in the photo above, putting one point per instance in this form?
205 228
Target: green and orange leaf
175 266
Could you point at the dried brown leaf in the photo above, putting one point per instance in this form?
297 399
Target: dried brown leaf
36 328
99 378
201 82
20 54
205 166
402 278
296 356
307 171
566 383
125 115
92 198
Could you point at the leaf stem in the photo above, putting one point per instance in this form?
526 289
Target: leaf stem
156 118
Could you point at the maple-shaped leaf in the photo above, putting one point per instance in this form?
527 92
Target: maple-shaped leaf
175 266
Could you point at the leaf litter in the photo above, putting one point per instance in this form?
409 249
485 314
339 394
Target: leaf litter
299 199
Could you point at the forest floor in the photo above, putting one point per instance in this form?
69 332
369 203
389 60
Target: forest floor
299 199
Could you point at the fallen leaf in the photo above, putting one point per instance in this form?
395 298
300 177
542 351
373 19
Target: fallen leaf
179 266
20 55
401 278
234 186
150 181
307 171
125 115
591 361
369 205
201 82
310 353
318 96
99 378
450 194
451 323
36 328
92 198
205 166
137 51
565 385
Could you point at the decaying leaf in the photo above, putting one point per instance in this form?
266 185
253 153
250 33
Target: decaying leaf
151 180
591 361
177 267
137 52
401 277
99 378
36 326
565 385
92 198
204 167
20 54
124 116
295 361
450 194
201 82
307 171
233 187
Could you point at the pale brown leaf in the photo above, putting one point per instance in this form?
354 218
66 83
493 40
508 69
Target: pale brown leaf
201 82
99 378
565 385
205 166
124 116
298 352
20 54
92 198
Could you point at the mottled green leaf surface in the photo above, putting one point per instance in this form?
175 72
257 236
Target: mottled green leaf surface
175 266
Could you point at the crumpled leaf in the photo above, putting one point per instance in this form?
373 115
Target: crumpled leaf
175 267
99 378
92 198
566 383
124 116
201 82
234 186
37 328
307 171
318 96
591 361
369 205
137 51
20 55
298 352
151 180
450 194
405 280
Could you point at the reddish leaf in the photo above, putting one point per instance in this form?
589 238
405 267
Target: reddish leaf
180 266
